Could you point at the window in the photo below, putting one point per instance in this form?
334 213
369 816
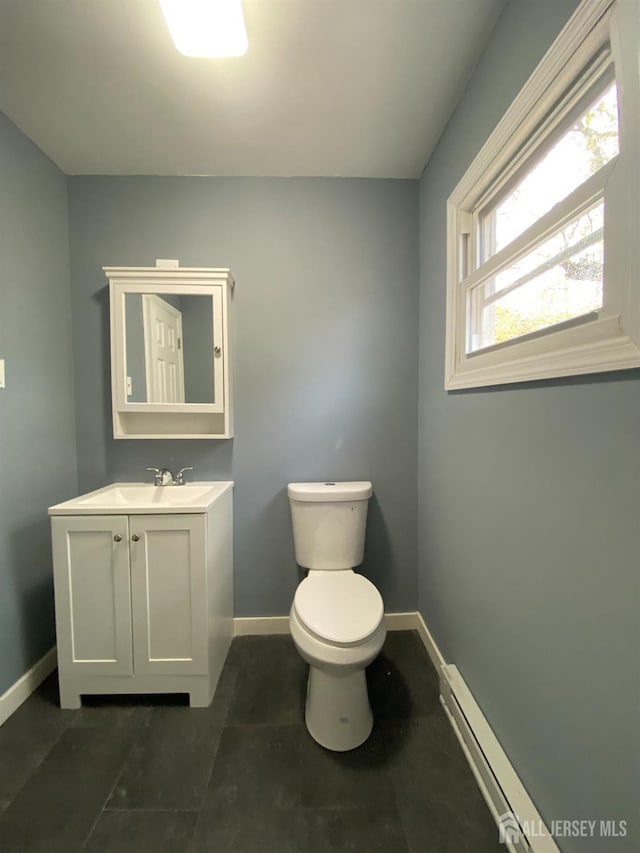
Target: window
543 273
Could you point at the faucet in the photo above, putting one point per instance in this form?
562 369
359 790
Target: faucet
179 481
164 477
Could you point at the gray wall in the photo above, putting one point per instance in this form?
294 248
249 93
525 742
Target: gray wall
528 515
134 336
325 327
197 342
36 410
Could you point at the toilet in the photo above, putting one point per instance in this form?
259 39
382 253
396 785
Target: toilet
336 618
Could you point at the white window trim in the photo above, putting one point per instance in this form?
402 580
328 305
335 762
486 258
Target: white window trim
610 338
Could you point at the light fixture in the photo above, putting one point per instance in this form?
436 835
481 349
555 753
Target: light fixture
206 28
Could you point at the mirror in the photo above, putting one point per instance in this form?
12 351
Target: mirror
169 348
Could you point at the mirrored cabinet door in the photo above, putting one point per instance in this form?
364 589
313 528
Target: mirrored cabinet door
173 348
170 354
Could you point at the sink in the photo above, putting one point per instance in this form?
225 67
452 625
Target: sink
144 495
143 498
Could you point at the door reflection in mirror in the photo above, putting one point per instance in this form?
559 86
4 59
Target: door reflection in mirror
169 348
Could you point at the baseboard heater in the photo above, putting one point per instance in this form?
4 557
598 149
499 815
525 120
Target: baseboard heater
520 826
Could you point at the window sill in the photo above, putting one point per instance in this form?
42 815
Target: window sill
595 347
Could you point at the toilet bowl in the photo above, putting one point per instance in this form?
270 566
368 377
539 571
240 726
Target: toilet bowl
337 615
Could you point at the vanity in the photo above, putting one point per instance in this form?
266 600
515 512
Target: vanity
143 580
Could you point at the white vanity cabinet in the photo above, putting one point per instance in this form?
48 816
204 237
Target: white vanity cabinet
144 600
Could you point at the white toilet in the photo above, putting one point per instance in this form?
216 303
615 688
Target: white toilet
336 618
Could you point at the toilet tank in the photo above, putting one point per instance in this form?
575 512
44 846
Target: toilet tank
329 521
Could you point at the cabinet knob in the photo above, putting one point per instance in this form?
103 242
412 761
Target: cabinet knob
117 538
135 537
217 350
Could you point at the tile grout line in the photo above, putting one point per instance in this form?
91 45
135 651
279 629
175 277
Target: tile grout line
37 766
150 811
134 740
232 693
223 726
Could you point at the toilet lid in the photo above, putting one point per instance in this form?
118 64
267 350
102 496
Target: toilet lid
340 607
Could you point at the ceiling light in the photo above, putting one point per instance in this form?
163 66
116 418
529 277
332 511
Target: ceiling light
206 28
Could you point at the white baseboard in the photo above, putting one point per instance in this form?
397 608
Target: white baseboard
12 698
244 626
430 645
401 621
499 783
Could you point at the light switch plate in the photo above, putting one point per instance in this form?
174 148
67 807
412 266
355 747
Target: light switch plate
1 372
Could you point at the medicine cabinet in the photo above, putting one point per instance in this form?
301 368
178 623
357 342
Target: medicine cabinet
170 351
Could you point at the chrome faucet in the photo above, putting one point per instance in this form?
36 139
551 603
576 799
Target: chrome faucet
179 481
164 477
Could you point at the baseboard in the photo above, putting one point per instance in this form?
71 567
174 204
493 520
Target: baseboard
244 626
519 823
401 621
430 644
12 698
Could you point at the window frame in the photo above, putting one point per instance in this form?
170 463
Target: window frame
599 34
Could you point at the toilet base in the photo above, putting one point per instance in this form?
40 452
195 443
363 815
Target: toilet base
337 712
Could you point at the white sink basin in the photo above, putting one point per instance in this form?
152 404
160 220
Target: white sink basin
143 498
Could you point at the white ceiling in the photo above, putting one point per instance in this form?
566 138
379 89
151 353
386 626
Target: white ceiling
327 87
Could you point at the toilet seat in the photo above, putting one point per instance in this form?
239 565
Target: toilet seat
339 607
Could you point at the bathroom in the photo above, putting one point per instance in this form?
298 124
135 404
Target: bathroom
504 516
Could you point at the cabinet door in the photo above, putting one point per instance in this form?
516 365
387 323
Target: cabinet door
168 591
93 597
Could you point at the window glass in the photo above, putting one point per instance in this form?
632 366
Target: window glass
590 143
559 280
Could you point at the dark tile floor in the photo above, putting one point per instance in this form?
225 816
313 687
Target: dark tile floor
147 774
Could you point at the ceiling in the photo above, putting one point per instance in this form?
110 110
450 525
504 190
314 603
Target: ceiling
328 87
